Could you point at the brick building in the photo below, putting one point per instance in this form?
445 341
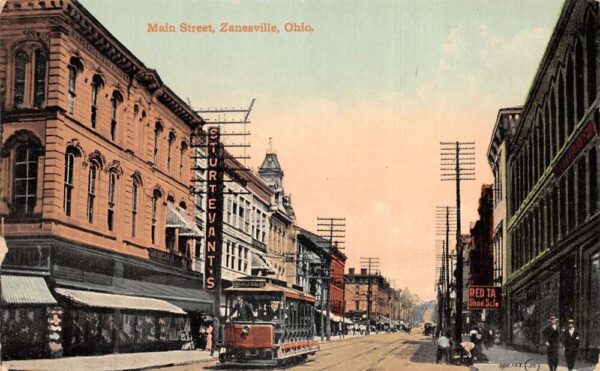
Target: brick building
94 190
381 300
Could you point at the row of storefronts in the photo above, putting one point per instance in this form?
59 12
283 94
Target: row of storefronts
544 156
65 299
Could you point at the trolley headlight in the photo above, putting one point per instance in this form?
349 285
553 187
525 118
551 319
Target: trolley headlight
245 330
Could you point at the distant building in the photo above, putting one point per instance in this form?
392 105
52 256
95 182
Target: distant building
381 300
481 257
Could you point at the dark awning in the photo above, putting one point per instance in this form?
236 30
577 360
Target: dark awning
25 290
104 300
189 299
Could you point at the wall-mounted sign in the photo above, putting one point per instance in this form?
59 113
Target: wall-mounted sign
588 133
484 297
214 210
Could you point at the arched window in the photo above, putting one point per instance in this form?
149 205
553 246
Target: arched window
70 156
155 197
590 41
183 154
20 71
92 177
157 132
561 112
25 178
74 68
116 101
579 80
134 206
112 181
570 97
41 61
97 85
553 122
171 141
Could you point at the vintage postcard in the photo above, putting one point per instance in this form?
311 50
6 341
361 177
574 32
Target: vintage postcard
320 185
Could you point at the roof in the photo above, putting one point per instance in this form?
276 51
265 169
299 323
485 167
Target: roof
103 300
269 287
499 131
270 163
321 243
26 290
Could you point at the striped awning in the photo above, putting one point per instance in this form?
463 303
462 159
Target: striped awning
25 290
177 218
103 300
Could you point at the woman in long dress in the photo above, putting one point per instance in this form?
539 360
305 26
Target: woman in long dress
209 337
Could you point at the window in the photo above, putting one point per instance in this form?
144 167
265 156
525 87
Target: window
591 59
97 84
593 173
155 197
182 155
25 178
356 305
116 100
91 192
157 131
561 112
72 86
570 97
112 179
20 70
134 207
40 78
170 150
68 189
581 184
579 80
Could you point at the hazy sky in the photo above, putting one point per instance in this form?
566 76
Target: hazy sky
358 107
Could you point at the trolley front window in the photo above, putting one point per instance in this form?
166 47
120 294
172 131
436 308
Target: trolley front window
254 307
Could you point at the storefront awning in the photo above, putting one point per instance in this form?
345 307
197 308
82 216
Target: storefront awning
259 263
188 299
178 218
335 318
25 290
103 300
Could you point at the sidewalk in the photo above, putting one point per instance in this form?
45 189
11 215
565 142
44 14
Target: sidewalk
124 361
501 357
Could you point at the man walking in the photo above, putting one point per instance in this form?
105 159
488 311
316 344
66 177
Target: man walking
443 348
571 343
551 336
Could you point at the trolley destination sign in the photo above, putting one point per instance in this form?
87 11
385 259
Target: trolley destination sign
484 297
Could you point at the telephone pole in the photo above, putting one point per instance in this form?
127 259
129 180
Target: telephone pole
333 230
458 164
369 263
445 225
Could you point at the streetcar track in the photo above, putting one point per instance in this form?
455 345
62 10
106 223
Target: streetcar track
364 353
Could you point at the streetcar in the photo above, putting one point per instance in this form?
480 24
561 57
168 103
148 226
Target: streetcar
267 323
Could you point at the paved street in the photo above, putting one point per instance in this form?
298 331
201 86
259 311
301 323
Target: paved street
377 352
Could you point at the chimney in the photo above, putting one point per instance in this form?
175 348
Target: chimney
351 273
363 271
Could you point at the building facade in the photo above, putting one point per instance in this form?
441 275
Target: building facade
504 128
553 189
95 170
281 248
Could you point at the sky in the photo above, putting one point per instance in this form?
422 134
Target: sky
356 109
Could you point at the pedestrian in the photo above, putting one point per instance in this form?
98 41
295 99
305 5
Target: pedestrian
571 343
209 339
444 344
552 336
